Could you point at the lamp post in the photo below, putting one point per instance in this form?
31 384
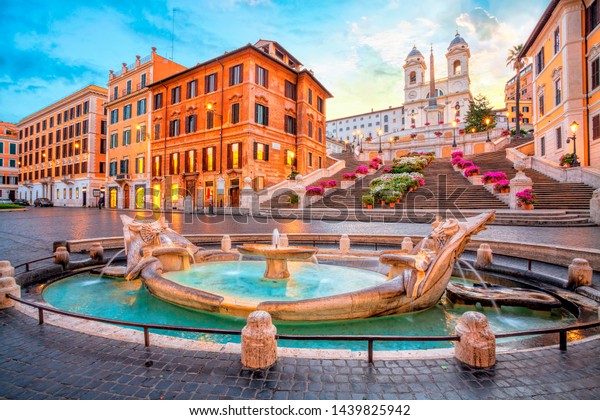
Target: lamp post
487 129
574 126
379 132
345 145
454 132
507 121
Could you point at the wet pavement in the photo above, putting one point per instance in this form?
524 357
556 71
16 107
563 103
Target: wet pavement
48 362
29 235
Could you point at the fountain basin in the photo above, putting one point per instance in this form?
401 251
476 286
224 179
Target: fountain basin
277 257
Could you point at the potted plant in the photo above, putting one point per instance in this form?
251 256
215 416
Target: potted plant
332 183
369 138
390 200
438 133
293 200
502 186
493 177
362 170
471 171
314 191
526 199
567 160
368 200
323 183
373 165
427 124
349 176
387 169
457 154
413 135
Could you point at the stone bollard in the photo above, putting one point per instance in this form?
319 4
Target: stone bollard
259 346
6 270
407 244
226 243
61 256
344 244
8 286
580 274
97 252
284 242
477 345
484 256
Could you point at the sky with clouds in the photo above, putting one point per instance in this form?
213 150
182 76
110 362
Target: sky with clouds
356 48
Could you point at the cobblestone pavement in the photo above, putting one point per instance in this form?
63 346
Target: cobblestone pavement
48 362
29 235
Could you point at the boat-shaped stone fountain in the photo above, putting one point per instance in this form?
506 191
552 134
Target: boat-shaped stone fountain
416 280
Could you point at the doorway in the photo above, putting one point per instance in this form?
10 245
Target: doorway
234 193
126 196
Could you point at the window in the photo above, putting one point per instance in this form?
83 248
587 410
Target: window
52 119
190 161
157 166
513 109
235 75
557 92
234 156
541 104
320 162
457 67
412 77
320 131
191 90
126 137
141 106
44 124
112 168
77 132
310 159
174 164
525 109
320 104
77 114
101 167
143 80
115 92
158 101
290 90
12 149
210 83
84 130
543 146
128 87
310 101
235 113
208 159
124 166
261 151
385 128
176 95
556 40
156 131
591 16
173 128
262 76
558 138
190 123
289 158
596 127
539 62
310 129
114 140
140 134
595 73
290 124
72 113
114 116
261 114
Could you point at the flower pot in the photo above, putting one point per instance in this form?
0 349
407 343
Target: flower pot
504 190
293 205
382 202
527 206
392 205
397 200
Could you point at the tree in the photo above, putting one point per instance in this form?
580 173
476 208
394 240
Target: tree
479 110
517 64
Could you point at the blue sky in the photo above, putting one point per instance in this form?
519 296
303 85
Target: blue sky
50 49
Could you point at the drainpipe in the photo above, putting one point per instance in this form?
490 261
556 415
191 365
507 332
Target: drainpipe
587 160
164 165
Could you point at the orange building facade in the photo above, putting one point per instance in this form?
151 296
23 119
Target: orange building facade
253 112
525 103
9 156
128 113
564 48
62 150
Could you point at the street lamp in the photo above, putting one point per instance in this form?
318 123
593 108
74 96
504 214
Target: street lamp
507 121
574 126
345 145
487 129
379 132
454 132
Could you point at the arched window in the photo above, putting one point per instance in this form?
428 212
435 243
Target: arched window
413 77
457 67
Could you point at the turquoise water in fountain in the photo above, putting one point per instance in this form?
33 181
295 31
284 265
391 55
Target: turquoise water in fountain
244 281
119 299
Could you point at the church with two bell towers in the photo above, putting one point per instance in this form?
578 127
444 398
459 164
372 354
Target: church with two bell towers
437 101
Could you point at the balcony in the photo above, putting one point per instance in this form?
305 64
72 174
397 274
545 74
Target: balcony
27 184
67 179
122 177
47 180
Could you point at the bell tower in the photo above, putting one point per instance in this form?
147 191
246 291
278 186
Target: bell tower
414 76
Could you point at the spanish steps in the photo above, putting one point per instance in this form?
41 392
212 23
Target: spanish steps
448 190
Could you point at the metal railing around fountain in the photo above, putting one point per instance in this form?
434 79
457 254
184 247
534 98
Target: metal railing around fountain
370 339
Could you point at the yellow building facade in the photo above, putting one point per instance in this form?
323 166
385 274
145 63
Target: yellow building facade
564 49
